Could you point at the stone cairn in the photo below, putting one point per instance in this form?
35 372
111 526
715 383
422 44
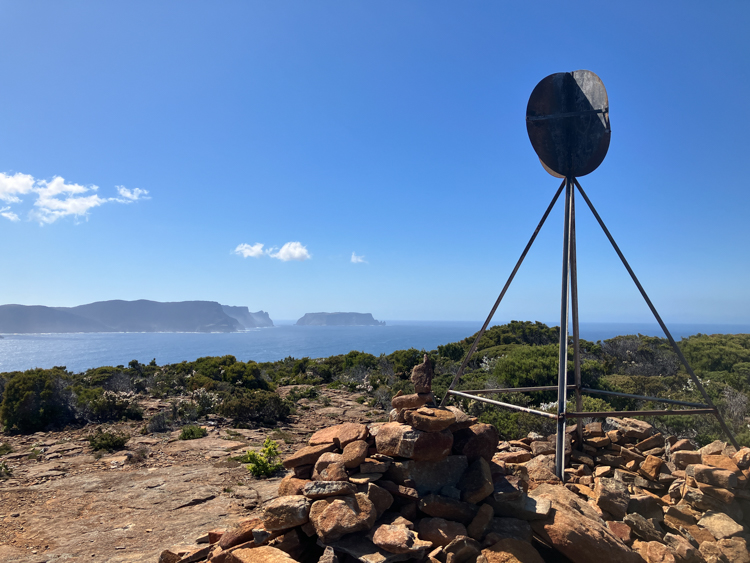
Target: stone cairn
436 486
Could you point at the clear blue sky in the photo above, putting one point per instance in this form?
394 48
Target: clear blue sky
385 141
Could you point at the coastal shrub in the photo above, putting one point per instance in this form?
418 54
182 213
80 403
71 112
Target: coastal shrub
192 432
160 422
259 406
5 449
36 399
265 462
98 405
302 393
107 440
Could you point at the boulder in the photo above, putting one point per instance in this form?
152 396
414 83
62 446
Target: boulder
720 525
241 533
651 467
354 453
380 498
647 530
421 376
440 531
290 485
429 419
399 539
501 528
511 550
262 554
462 550
683 458
734 550
541 468
612 496
654 552
448 508
308 455
413 401
333 517
561 498
396 439
285 512
583 540
712 476
684 551
524 508
476 483
320 489
479 440
339 435
478 526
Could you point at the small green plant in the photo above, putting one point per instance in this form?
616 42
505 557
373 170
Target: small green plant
33 454
5 449
360 399
139 455
192 432
233 435
325 401
227 489
109 441
5 471
264 463
302 393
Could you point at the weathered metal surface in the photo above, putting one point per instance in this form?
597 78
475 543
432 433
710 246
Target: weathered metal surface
501 404
567 119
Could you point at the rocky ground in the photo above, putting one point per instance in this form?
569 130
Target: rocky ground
63 502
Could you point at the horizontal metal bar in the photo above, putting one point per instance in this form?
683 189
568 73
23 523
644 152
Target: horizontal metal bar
644 397
515 389
642 413
501 404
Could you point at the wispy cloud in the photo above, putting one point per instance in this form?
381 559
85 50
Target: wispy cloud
8 214
290 251
358 259
129 196
55 198
249 250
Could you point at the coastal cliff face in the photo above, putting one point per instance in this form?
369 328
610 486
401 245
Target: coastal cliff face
246 318
129 316
339 319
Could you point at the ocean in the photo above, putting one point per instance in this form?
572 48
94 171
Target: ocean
81 351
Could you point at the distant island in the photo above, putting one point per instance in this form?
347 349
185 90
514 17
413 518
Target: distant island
339 319
131 316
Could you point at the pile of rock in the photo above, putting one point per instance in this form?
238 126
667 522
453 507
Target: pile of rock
436 486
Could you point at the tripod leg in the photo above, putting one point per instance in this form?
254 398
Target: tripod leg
574 307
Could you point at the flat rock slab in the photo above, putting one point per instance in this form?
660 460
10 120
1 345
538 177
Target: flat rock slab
364 551
209 443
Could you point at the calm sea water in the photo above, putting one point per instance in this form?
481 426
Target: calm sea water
82 351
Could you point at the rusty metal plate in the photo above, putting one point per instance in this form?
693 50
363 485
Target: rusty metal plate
567 119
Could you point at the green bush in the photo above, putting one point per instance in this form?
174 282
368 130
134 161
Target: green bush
5 449
160 422
264 463
256 406
98 405
107 440
36 399
192 432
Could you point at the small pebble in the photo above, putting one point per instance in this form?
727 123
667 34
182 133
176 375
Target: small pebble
15 514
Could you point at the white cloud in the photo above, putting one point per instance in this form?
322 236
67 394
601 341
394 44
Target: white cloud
131 195
56 198
249 251
358 259
12 186
291 251
8 214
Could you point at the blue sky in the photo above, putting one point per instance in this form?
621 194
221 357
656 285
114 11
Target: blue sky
377 151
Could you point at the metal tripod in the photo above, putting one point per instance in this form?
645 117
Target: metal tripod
569 300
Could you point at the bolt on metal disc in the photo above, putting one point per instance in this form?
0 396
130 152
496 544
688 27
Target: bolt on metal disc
567 119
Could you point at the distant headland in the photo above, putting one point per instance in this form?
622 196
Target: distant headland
339 319
131 316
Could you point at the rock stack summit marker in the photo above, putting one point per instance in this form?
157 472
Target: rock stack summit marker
369 494
567 119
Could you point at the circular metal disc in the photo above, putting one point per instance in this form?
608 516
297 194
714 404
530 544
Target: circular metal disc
567 119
